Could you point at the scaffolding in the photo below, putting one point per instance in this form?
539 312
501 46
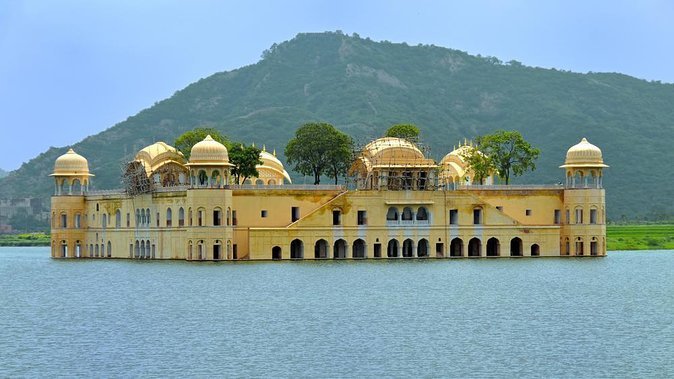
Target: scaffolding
135 180
397 170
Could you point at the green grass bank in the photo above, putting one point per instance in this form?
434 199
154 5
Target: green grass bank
640 237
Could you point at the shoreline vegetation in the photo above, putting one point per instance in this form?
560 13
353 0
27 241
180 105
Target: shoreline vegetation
618 237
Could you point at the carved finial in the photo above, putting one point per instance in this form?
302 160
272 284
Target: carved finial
264 147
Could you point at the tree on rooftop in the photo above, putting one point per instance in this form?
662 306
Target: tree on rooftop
245 159
507 152
409 132
318 148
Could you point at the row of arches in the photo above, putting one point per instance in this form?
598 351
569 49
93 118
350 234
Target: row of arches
408 214
492 248
199 250
408 248
580 248
142 249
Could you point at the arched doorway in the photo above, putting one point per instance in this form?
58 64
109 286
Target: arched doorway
493 247
408 248
422 248
456 248
321 249
516 247
296 249
359 248
474 247
276 253
535 250
339 250
593 246
392 248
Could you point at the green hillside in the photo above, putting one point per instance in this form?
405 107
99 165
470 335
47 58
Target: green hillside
363 87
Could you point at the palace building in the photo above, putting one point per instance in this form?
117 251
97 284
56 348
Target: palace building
402 205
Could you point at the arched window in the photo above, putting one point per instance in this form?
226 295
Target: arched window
456 248
516 247
118 219
189 250
200 217
104 223
217 217
579 215
201 253
392 214
189 216
296 249
217 247
422 248
64 249
392 248
474 247
181 217
579 246
358 248
321 249
169 217
202 178
339 250
64 220
594 246
535 250
408 247
229 216
147 220
422 214
137 249
78 221
109 249
493 247
407 214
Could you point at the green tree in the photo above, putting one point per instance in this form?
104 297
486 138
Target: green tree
406 131
508 152
480 164
318 147
244 158
188 139
340 156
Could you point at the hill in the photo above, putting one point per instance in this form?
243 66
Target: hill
363 87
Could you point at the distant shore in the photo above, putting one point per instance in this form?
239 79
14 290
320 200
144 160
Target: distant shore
618 237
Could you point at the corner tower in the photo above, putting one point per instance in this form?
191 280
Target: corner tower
584 229
71 179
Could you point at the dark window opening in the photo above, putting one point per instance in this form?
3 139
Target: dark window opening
453 216
477 216
294 214
336 217
377 250
263 213
362 217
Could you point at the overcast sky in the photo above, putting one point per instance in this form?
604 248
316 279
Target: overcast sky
69 69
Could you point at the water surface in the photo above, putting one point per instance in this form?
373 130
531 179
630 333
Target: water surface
591 317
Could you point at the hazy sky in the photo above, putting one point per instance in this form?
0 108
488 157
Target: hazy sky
69 69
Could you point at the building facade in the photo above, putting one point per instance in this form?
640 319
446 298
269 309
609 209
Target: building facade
403 205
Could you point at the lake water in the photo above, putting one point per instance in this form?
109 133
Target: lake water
601 317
